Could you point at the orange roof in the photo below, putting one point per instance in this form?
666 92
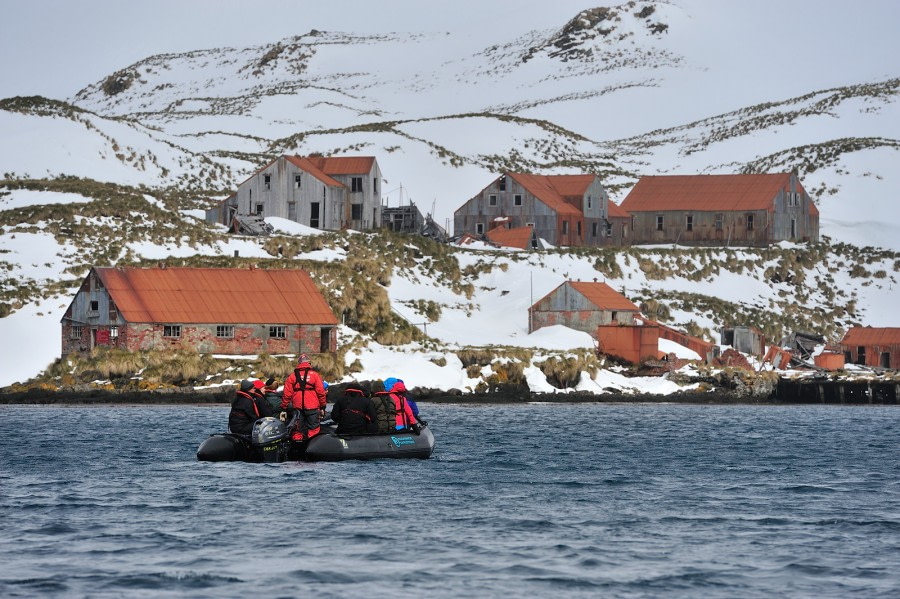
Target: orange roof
518 237
553 189
706 192
872 336
603 296
616 211
216 295
310 167
343 165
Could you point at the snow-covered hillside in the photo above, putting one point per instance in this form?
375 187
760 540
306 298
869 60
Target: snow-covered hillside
120 168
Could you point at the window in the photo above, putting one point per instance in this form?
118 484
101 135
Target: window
517 199
689 222
529 225
614 316
503 183
356 211
609 229
479 228
659 222
314 215
259 209
95 306
292 210
172 330
589 202
885 359
720 221
76 332
593 229
113 332
298 180
225 331
356 184
565 230
278 332
492 199
375 185
267 181
749 222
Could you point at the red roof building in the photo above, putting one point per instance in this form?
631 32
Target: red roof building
209 310
582 306
323 192
563 210
872 346
721 210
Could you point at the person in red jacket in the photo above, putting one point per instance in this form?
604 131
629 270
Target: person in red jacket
405 416
305 394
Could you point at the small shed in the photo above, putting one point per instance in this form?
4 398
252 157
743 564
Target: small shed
747 340
239 311
633 343
582 306
877 347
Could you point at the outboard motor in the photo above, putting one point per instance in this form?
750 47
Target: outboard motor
270 440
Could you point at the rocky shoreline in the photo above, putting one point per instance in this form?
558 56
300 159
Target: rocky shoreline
769 391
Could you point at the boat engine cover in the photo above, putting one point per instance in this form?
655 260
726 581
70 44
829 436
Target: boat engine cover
268 430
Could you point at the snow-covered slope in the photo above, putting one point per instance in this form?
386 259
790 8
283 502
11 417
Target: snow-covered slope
121 169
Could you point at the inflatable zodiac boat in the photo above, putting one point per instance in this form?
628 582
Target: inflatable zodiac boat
270 442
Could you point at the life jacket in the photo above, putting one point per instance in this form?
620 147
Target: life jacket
385 411
252 402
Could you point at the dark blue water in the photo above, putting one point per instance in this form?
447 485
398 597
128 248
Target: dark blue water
620 501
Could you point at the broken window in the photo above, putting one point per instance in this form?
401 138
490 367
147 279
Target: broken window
885 359
659 222
172 330
861 355
75 333
749 222
259 209
298 179
225 331
95 306
479 228
267 181
565 229
277 332
689 222
356 184
593 229
589 202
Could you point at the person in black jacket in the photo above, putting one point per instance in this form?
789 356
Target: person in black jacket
354 412
246 409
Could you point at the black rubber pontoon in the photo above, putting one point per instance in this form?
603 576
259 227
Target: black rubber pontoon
270 443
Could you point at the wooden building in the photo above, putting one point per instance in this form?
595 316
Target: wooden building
328 193
618 228
872 346
582 306
209 310
564 210
748 210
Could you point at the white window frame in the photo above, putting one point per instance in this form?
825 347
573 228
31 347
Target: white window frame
76 331
113 332
172 331
224 331
277 331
